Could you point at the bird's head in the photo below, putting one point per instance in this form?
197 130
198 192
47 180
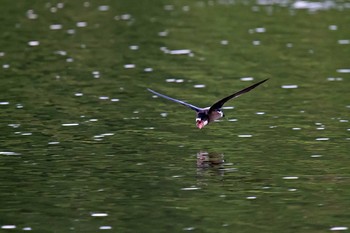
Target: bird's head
202 120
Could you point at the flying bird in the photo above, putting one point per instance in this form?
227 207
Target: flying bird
212 113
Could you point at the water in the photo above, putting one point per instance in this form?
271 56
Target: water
85 147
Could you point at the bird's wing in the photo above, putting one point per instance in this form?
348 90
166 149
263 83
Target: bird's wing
221 102
197 109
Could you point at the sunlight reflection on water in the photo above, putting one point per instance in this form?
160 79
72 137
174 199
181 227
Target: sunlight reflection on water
99 214
53 143
129 66
338 228
245 135
289 86
180 52
343 70
81 24
247 79
306 5
334 79
322 139
55 26
8 153
8 227
134 47
199 86
190 188
33 43
290 178
103 8
343 41
70 124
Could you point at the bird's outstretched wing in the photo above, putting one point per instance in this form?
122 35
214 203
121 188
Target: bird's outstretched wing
221 102
197 109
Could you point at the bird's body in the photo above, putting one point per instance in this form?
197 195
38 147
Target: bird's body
212 113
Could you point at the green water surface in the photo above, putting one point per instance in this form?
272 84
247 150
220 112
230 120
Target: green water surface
85 147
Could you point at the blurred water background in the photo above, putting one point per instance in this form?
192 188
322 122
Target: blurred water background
85 148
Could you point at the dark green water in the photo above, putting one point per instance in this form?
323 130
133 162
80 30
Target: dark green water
85 148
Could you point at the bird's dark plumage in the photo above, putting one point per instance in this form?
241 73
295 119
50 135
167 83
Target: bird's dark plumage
175 100
221 102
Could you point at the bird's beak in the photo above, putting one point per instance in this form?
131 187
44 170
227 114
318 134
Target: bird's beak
200 124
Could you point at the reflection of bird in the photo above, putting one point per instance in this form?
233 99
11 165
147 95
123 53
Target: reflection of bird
206 160
209 114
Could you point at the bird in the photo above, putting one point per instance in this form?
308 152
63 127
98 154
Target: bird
204 116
